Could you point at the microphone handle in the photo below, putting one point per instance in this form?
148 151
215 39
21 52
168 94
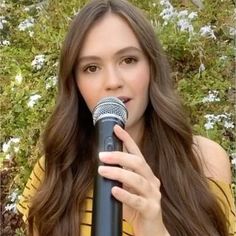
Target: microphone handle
107 211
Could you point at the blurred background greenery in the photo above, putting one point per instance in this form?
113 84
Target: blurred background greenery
198 37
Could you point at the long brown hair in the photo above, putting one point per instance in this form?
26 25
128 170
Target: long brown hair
188 207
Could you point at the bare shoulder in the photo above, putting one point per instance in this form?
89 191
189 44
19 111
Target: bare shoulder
213 158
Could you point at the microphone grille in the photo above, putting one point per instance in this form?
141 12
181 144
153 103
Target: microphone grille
110 107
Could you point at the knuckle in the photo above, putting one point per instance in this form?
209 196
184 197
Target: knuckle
157 182
138 203
140 163
141 182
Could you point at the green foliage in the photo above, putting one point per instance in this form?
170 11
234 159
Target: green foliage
186 51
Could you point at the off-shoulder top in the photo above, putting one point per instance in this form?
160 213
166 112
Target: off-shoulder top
222 191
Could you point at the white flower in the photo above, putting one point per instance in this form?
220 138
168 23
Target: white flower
207 31
3 4
6 146
215 118
11 207
28 23
3 19
224 119
223 58
183 14
192 15
185 25
209 125
228 124
13 196
210 117
211 97
165 3
167 14
26 9
31 33
8 157
38 62
19 78
2 22
233 161
201 68
5 43
51 82
15 140
232 31
33 99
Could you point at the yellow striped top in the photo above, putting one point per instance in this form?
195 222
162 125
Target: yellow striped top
221 190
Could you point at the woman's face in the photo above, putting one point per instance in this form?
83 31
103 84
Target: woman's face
112 63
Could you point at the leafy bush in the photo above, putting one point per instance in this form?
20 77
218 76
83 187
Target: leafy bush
198 42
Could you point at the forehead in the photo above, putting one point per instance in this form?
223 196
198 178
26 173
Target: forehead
111 33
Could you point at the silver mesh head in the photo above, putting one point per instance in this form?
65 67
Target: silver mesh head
110 107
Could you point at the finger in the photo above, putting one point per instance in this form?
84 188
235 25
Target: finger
131 179
127 161
130 199
129 143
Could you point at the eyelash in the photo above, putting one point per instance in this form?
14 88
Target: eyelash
133 60
86 68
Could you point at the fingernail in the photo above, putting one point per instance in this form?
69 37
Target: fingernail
117 127
103 155
101 169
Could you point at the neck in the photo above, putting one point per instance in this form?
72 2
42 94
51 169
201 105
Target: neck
136 132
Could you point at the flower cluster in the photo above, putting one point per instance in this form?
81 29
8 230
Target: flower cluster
211 97
12 146
38 62
13 197
51 82
26 24
183 18
232 31
212 119
5 43
207 31
33 99
2 22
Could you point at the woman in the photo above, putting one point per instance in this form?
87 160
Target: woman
171 178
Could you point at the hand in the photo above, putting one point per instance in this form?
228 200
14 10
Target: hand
140 194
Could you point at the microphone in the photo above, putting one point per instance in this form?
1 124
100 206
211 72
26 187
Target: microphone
107 211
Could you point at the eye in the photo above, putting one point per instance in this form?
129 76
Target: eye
90 69
129 60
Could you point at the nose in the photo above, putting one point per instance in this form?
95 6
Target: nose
113 78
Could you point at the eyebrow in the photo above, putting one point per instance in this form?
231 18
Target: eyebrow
119 52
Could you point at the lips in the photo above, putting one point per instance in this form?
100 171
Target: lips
124 99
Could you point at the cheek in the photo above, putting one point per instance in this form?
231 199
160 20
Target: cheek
88 94
142 80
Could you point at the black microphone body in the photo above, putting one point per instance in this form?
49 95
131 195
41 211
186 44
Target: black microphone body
107 211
